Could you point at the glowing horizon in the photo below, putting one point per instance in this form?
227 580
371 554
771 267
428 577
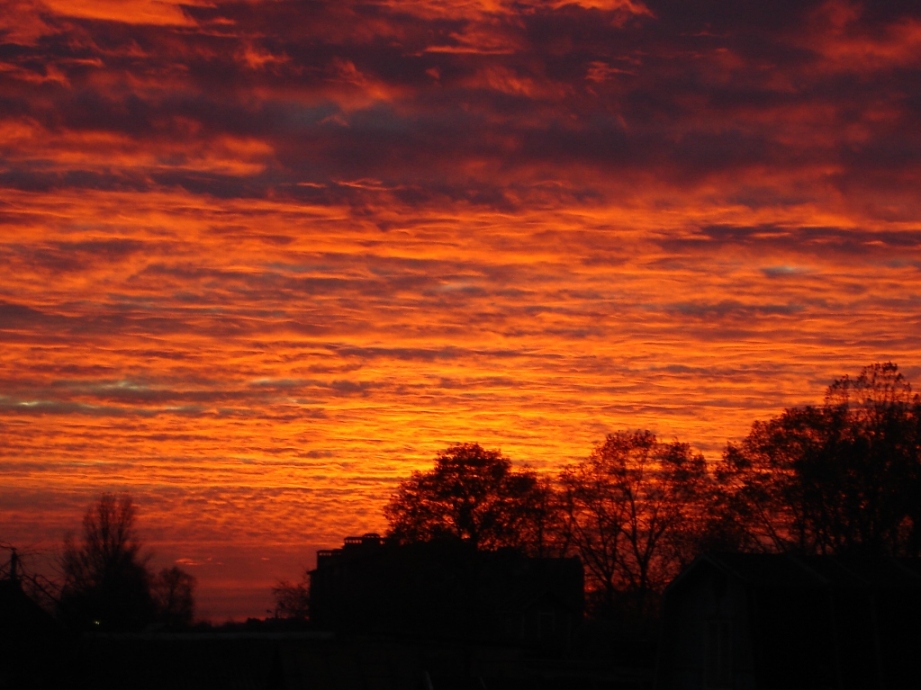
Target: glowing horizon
262 259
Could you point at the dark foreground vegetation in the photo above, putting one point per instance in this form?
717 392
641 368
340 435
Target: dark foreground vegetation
108 586
840 480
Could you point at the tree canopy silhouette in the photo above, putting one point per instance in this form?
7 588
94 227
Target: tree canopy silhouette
840 478
472 494
636 509
292 599
173 592
843 477
107 583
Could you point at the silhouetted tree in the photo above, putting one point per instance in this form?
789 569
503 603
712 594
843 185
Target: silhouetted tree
541 528
173 592
106 581
636 511
842 478
292 599
473 494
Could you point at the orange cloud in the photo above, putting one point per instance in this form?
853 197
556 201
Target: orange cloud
155 12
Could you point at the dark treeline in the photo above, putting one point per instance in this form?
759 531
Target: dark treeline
106 583
842 478
634 511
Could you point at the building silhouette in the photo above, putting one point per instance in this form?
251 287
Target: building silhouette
755 621
446 590
31 643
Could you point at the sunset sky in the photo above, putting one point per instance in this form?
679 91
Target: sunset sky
259 260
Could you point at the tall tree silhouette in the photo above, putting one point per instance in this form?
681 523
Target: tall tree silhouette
106 581
473 494
842 478
636 508
173 592
292 599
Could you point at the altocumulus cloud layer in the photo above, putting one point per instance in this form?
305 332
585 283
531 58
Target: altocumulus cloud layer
261 259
